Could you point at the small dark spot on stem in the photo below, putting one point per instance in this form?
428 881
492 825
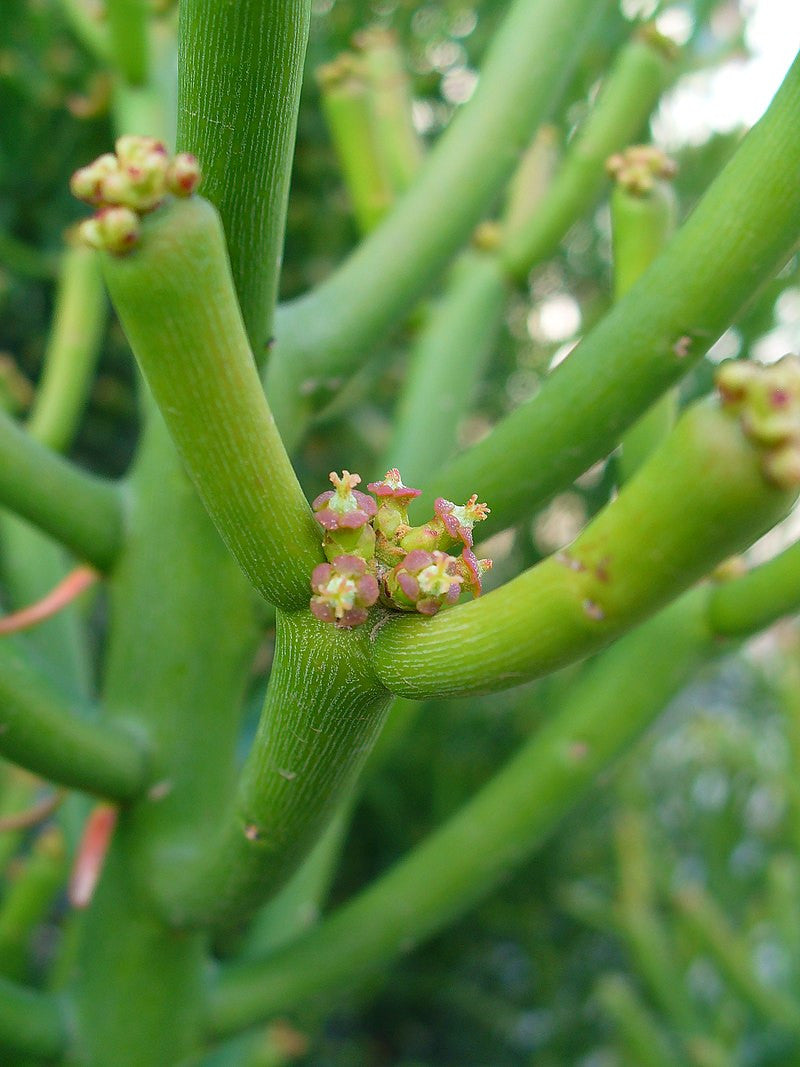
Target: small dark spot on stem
593 610
568 561
682 346
601 570
578 751
159 790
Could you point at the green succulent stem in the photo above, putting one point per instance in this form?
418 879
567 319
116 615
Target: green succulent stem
45 733
741 232
641 225
398 142
182 638
175 298
699 498
82 512
31 1023
631 90
322 714
240 74
128 37
446 363
483 842
29 900
346 106
741 605
72 349
330 331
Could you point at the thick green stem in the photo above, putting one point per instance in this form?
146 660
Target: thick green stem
240 73
323 712
740 234
478 847
346 106
699 498
72 349
398 142
176 301
31 1023
330 331
744 605
128 33
84 513
641 224
44 733
182 640
445 365
631 91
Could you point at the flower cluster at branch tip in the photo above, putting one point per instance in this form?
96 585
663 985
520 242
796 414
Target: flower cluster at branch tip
639 167
375 554
125 184
767 402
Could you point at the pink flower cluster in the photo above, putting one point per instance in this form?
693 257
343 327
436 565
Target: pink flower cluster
374 554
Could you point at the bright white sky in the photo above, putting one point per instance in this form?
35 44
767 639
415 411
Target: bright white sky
736 93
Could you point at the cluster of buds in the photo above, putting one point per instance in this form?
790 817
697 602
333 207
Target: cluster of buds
125 184
767 401
375 555
639 167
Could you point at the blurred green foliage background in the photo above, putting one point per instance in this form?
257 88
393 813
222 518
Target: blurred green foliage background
553 969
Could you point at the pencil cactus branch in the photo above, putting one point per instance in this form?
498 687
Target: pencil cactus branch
643 70
240 72
81 511
744 605
346 105
445 364
479 846
741 232
46 734
312 740
331 330
643 215
387 80
128 38
699 498
176 301
72 349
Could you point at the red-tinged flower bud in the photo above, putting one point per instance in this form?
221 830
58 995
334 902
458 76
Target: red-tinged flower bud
183 174
392 488
138 177
459 521
472 570
343 507
87 183
392 518
424 582
344 590
113 229
766 399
